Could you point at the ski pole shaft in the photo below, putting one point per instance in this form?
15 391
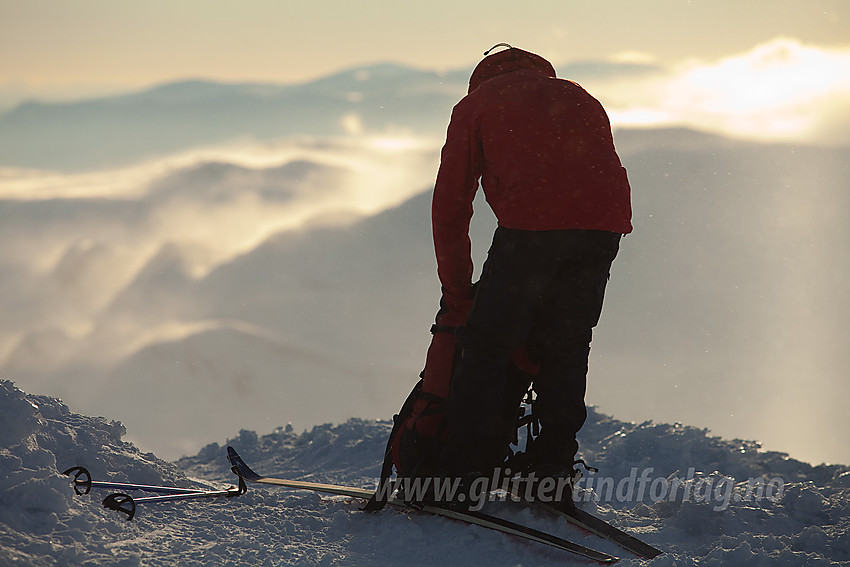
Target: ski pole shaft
83 484
126 504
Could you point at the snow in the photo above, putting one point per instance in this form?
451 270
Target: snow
42 522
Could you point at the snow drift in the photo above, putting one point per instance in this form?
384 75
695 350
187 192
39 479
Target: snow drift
805 520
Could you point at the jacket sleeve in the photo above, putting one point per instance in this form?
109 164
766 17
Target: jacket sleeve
461 164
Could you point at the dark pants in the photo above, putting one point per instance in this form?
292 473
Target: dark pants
542 290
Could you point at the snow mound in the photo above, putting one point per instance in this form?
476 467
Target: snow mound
41 520
734 505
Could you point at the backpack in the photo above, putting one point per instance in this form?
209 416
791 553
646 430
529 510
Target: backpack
420 427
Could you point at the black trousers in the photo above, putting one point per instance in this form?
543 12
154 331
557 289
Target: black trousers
543 290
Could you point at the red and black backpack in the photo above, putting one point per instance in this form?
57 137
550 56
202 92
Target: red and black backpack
420 427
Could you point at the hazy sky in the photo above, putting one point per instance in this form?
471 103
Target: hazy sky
47 45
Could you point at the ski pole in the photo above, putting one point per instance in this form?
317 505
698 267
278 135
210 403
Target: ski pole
83 484
126 504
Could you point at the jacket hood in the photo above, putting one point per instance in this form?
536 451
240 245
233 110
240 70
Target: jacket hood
506 61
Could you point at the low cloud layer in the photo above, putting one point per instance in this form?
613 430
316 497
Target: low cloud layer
72 249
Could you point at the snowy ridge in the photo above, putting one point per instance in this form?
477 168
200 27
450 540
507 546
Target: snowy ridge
42 522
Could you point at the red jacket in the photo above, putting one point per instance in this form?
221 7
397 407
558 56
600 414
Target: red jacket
543 150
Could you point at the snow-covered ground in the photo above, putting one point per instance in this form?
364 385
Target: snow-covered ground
798 515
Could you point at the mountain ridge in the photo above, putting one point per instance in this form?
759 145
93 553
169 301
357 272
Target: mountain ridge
177 115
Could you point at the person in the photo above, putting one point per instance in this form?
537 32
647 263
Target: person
543 150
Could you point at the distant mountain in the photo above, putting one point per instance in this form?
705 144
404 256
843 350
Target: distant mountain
123 129
232 368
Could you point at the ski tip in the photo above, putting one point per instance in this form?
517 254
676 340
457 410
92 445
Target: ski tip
239 467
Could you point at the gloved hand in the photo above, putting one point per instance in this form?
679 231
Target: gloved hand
454 309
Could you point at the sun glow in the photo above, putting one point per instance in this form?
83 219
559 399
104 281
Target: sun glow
780 91
772 87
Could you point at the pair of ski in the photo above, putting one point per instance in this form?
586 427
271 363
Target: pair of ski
581 519
126 504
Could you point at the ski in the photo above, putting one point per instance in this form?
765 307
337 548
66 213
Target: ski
244 472
599 527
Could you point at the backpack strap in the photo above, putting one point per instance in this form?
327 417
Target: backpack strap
385 490
442 329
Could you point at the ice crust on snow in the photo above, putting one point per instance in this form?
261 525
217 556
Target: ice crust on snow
42 521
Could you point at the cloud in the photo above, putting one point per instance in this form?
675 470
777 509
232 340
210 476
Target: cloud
778 91
79 248
351 123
